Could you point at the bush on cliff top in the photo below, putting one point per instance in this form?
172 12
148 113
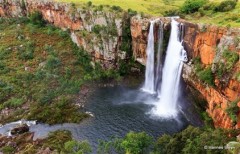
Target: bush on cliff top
191 6
226 5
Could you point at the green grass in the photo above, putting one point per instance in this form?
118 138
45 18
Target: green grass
151 7
230 18
158 7
41 68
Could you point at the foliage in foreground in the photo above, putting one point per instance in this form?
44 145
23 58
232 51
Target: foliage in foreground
190 140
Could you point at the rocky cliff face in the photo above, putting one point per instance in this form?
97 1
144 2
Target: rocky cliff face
98 32
215 48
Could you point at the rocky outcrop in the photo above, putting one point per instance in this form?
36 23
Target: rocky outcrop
20 129
208 44
98 32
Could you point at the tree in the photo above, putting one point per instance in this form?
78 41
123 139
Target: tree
191 6
76 147
136 143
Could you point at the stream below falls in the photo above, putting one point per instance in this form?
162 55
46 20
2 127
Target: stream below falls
118 110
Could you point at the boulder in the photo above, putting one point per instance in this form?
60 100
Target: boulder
20 129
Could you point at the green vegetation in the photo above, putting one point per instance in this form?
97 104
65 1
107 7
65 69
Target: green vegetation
42 69
190 140
132 143
226 5
220 12
195 140
206 76
135 143
191 6
37 19
7 149
126 32
233 110
56 140
153 7
230 58
77 147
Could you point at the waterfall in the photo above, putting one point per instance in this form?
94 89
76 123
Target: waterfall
149 74
159 59
176 55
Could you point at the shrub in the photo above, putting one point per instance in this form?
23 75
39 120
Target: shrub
97 29
57 139
36 18
27 52
112 29
191 6
197 64
89 3
226 5
76 147
136 143
231 59
206 76
13 103
132 12
132 143
3 68
7 149
233 110
116 8
63 34
52 62
193 140
5 90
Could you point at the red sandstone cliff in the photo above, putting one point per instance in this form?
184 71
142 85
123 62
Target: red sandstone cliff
207 43
104 46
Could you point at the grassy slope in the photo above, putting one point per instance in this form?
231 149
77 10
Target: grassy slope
47 90
231 18
152 7
158 7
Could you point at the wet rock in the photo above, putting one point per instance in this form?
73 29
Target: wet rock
20 129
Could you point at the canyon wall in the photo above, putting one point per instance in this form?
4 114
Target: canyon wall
209 46
98 32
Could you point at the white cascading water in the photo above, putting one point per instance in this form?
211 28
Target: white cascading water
159 59
149 74
167 105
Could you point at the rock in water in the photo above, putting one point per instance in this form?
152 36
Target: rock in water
20 129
